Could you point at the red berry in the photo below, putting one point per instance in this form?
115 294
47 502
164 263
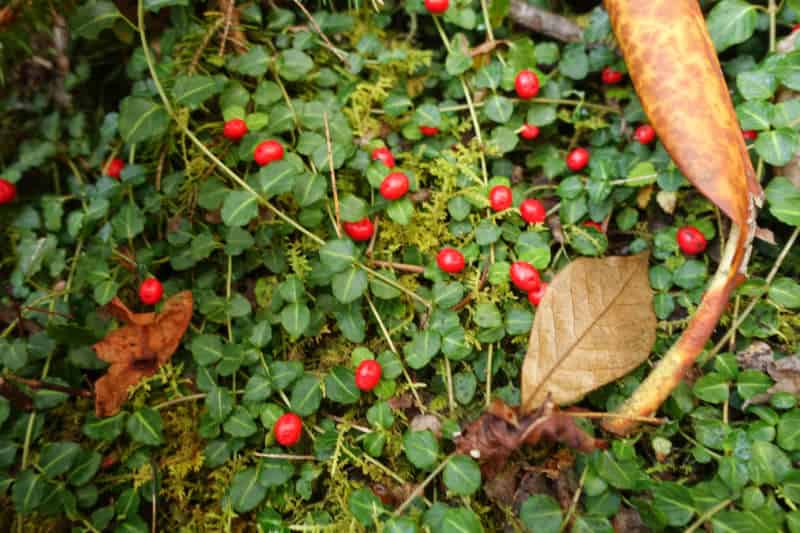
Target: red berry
524 275
368 374
359 231
114 168
234 129
437 7
428 131
691 241
750 135
645 134
450 260
8 191
151 291
577 159
384 155
268 152
592 224
288 429
526 84
795 28
529 132
610 76
394 186
535 296
500 198
532 211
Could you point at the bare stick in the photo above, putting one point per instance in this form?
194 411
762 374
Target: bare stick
402 267
421 487
333 175
37 384
542 21
338 53
287 456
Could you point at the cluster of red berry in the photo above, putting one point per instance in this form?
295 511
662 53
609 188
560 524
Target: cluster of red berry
289 426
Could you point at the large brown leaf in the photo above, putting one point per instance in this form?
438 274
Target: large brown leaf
139 348
677 76
594 325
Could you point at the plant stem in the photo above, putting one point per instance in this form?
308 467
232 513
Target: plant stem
182 399
421 487
487 21
338 225
575 498
705 517
772 10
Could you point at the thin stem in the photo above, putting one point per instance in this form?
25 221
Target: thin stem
487 20
337 225
756 299
575 498
449 378
396 285
705 517
182 399
489 376
402 267
771 9
421 487
287 456
442 34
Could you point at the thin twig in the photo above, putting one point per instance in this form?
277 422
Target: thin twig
542 21
421 487
37 384
643 419
338 53
402 267
286 456
374 237
333 175
705 517
182 399
575 498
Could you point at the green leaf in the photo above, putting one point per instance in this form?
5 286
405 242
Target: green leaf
294 64
57 458
106 429
675 501
144 426
756 85
219 402
499 109
784 201
340 386
338 255
789 431
768 464
85 466
574 63
206 349
365 506
141 119
421 448
731 22
785 292
422 348
541 513
156 5
690 275
712 388
240 424
462 475
352 208
619 475
348 286
306 395
29 491
253 63
192 91
295 318
92 18
461 520
128 222
239 208
458 61
777 147
428 115
245 490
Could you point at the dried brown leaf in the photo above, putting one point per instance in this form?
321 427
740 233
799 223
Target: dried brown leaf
785 372
594 325
429 422
137 349
491 439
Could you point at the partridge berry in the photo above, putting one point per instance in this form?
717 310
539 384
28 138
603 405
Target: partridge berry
592 224
150 291
384 155
437 7
691 241
529 132
114 168
359 231
429 131
750 135
527 84
288 429
450 260
394 186
532 211
234 129
645 134
610 76
500 198
368 374
535 296
795 28
524 275
577 159
268 152
8 191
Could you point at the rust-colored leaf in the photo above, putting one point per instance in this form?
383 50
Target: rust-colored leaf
677 75
594 325
491 439
137 349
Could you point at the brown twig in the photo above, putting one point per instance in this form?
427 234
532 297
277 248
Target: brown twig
328 44
19 399
333 176
402 267
37 384
469 297
374 237
542 21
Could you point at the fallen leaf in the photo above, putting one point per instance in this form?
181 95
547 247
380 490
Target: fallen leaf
628 520
643 196
766 235
429 422
785 372
491 439
594 325
139 348
668 200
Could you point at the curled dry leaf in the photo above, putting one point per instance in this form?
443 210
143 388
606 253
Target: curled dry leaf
139 348
429 422
785 372
594 325
493 437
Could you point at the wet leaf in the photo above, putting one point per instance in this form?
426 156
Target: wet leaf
589 332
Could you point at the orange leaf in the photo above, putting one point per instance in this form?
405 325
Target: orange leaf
677 75
139 348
